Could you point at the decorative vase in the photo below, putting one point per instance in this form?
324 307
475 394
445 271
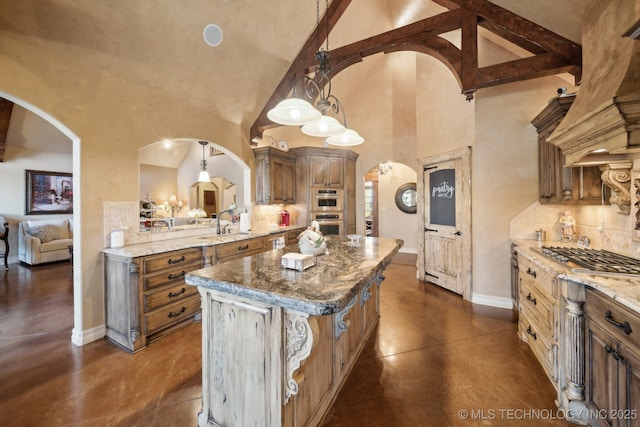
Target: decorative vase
311 243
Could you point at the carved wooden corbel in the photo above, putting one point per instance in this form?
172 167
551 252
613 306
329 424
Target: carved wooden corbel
300 330
341 325
617 176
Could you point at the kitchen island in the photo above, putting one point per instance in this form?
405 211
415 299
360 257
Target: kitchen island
277 344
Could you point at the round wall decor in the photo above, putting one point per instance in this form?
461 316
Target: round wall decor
407 198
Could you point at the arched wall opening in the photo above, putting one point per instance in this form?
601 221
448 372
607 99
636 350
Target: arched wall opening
76 336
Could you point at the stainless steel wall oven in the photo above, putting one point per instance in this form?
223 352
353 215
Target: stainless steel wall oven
329 222
326 199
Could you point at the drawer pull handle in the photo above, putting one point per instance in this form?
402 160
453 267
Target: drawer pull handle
624 326
176 276
533 300
176 261
608 349
530 272
177 294
533 334
177 313
243 248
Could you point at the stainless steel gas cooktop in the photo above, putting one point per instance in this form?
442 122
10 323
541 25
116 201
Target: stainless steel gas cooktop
584 260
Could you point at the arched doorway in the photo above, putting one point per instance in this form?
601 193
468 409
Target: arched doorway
382 215
76 336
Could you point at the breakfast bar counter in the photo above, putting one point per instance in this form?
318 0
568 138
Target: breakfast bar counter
278 343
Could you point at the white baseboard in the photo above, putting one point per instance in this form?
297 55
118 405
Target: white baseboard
499 302
81 338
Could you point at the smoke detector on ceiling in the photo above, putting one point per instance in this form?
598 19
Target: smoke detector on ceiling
212 35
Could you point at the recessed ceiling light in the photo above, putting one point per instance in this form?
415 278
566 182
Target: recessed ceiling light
212 35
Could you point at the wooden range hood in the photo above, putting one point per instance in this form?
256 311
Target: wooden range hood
605 115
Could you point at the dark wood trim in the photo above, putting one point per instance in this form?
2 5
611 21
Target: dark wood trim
551 53
6 108
310 47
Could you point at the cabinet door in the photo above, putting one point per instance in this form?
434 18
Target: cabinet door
601 370
289 182
326 171
628 388
550 164
276 175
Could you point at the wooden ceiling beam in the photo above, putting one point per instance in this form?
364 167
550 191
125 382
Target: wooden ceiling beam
310 47
6 108
518 30
551 53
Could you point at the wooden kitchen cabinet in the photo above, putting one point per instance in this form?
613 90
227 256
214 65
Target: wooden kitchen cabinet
559 184
612 361
241 248
538 316
326 171
275 176
146 298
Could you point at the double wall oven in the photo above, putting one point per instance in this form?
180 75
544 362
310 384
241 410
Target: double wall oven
327 208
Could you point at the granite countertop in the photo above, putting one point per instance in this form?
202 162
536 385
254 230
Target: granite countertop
623 288
322 289
207 238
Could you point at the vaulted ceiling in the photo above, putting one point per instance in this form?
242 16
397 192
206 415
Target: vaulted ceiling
159 44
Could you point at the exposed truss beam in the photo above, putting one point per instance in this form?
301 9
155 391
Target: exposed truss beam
310 47
551 53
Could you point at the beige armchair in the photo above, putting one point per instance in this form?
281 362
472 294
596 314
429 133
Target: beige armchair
4 236
45 241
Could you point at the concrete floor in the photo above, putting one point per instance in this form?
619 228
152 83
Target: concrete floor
435 360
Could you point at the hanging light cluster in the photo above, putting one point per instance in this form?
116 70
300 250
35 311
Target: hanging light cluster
315 122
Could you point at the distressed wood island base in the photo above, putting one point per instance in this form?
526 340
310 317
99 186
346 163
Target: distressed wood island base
278 344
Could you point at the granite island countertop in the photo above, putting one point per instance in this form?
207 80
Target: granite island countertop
322 289
624 288
206 238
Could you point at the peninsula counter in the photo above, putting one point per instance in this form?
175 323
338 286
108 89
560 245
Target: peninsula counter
277 344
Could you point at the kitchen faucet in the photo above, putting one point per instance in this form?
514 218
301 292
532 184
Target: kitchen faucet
229 211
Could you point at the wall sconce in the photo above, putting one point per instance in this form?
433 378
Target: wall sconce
384 168
173 205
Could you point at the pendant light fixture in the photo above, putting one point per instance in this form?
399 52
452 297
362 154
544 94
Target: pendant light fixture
204 175
295 111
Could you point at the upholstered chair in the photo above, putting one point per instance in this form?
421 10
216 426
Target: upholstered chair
4 236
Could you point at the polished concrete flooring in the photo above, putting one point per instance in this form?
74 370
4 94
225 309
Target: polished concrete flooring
433 359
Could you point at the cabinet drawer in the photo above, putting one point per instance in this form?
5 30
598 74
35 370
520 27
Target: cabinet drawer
240 248
174 275
153 300
291 237
612 317
530 271
539 305
153 264
171 314
542 347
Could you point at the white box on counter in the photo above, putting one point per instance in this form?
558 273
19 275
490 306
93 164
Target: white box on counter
297 261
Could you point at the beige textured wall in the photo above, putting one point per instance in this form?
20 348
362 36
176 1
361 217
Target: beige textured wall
112 117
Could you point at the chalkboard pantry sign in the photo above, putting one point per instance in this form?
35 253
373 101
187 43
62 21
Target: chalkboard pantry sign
442 197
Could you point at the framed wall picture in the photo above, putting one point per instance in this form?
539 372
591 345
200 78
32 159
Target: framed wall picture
48 193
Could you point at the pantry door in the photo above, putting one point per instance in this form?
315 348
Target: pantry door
446 219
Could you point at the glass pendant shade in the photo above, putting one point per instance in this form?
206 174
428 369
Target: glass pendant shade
326 126
204 176
346 139
293 112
